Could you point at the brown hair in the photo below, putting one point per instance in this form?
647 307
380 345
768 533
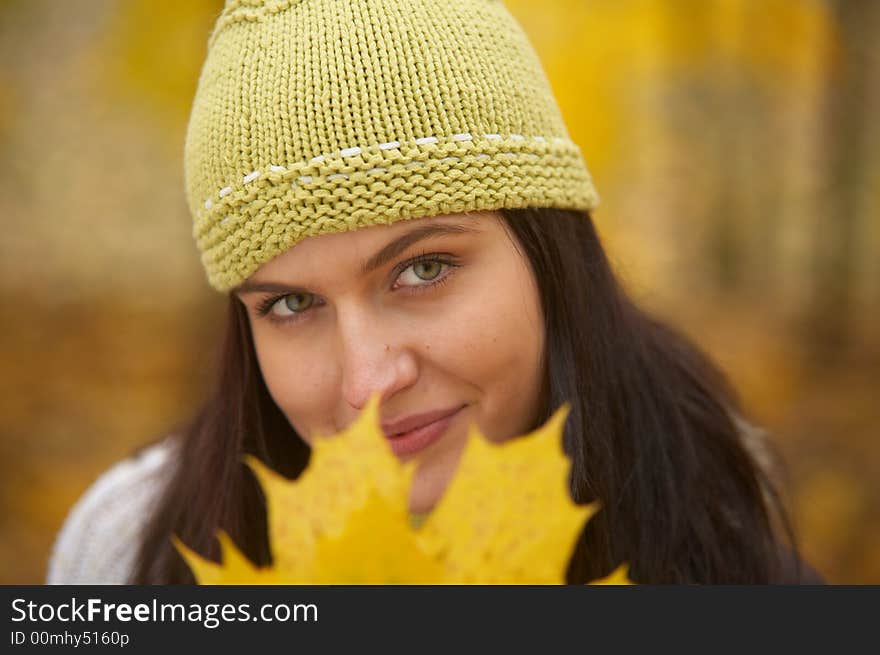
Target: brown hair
651 433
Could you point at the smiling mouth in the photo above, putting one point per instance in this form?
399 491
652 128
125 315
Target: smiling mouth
416 421
417 439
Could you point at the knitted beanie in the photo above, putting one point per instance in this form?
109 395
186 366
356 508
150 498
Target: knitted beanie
318 116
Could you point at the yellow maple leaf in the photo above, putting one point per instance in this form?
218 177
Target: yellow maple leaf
619 576
506 517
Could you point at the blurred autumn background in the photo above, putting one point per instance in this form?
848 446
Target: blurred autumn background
731 141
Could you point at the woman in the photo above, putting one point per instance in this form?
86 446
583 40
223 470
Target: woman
388 194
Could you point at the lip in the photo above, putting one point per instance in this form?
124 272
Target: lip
408 423
420 437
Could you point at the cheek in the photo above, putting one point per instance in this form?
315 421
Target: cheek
493 339
297 381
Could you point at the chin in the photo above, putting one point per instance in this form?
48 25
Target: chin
422 500
421 506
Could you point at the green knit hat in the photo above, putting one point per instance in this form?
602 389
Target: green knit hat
317 116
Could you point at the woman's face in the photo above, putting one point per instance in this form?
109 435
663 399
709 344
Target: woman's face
341 316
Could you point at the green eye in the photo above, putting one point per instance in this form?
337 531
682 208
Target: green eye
432 264
294 302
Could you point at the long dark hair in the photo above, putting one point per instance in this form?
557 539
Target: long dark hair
652 433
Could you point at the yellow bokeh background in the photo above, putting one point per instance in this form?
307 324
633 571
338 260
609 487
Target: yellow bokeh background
731 141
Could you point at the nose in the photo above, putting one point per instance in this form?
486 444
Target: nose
375 357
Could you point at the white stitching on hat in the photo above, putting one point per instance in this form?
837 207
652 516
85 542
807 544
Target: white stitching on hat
390 145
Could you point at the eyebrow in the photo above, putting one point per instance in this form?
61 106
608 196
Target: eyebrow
386 254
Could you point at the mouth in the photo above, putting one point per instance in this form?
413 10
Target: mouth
417 439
